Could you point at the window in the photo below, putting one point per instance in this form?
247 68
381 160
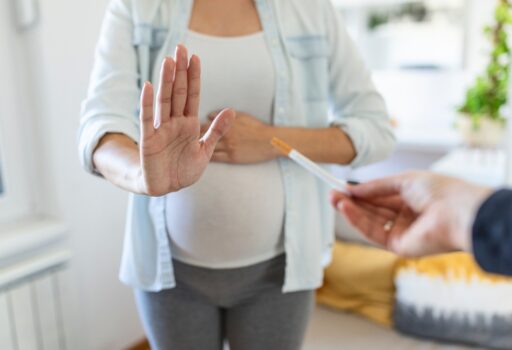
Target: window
1 179
401 34
15 187
418 51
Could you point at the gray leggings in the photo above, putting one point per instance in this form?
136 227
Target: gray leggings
244 306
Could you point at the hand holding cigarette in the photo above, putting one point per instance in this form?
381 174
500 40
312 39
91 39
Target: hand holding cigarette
414 214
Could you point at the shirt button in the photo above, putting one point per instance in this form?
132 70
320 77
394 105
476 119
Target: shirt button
280 110
274 42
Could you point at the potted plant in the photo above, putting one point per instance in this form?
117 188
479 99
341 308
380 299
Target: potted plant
481 121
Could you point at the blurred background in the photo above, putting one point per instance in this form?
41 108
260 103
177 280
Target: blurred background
61 230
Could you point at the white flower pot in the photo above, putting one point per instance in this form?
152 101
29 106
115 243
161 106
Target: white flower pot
487 133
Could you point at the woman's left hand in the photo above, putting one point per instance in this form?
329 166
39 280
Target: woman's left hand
247 141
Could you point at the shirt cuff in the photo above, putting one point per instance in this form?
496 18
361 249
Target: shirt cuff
492 233
373 140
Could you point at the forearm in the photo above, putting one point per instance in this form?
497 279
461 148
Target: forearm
117 159
324 145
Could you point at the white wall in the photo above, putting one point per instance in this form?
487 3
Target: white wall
480 13
102 314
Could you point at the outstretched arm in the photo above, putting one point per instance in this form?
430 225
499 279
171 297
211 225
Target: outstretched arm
171 154
414 214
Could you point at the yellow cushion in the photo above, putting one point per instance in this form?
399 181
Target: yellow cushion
360 279
459 266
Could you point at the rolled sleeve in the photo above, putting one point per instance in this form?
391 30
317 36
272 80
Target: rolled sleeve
373 140
355 104
92 131
113 95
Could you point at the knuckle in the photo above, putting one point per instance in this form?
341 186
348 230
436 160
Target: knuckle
180 91
146 106
193 94
164 99
194 77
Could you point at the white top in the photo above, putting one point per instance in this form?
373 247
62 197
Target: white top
233 216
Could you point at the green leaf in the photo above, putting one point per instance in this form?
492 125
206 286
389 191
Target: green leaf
489 93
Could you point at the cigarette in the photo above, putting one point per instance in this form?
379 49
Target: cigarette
309 165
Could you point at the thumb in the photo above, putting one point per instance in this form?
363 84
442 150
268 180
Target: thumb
218 128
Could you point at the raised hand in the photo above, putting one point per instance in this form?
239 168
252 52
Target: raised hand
172 152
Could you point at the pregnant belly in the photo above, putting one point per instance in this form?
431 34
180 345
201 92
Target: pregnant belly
232 217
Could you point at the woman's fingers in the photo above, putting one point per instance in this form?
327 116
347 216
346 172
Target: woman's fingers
146 111
219 128
179 91
220 146
194 87
165 91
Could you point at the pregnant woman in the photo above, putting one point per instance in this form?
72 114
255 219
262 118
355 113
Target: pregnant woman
233 250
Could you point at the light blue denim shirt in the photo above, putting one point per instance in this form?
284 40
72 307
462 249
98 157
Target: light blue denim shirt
321 82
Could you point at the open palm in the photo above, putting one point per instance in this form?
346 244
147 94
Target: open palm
172 152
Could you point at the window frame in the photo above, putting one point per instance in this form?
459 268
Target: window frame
16 201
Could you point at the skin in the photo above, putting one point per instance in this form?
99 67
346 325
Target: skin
430 213
225 17
248 141
171 154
